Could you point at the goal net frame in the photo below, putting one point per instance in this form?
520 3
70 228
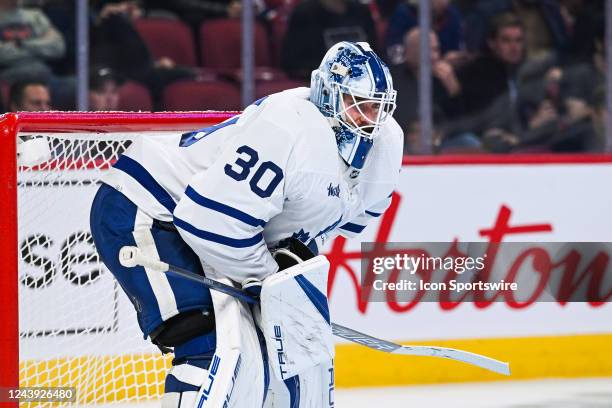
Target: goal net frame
11 125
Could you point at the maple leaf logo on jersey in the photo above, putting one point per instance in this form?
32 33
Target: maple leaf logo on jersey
301 235
354 62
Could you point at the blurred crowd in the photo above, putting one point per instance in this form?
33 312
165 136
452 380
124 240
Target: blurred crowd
507 75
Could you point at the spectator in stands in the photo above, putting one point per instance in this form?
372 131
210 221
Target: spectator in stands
541 118
507 113
29 96
62 14
545 31
446 88
539 125
103 90
495 72
446 22
315 25
580 100
579 82
116 44
27 42
384 8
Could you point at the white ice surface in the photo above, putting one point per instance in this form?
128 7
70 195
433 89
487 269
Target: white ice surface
553 393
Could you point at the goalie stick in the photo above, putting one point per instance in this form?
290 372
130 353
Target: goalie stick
130 256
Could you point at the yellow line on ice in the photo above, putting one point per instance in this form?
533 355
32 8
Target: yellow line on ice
137 377
529 358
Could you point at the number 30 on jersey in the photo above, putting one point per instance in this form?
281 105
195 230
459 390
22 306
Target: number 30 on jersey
266 177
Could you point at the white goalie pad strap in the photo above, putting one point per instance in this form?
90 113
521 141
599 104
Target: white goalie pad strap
295 318
189 374
314 389
179 400
171 400
235 376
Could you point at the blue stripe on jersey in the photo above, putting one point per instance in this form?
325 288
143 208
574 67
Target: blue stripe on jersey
293 386
318 299
146 180
356 228
219 239
223 209
373 214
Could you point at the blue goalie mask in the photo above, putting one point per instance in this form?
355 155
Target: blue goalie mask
353 88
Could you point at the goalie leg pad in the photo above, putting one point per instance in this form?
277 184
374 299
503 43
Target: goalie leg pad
233 376
183 384
313 388
295 318
238 371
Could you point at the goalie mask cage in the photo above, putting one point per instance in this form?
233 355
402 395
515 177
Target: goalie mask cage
63 319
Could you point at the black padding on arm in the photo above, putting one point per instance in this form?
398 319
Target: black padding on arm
183 327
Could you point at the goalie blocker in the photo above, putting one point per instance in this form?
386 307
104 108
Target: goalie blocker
297 328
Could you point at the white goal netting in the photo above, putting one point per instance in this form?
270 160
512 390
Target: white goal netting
76 326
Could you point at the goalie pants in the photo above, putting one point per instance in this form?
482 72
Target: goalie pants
116 222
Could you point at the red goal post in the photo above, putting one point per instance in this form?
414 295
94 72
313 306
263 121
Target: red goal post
33 123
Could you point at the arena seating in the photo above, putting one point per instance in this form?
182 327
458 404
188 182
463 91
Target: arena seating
194 95
134 97
168 38
263 88
220 43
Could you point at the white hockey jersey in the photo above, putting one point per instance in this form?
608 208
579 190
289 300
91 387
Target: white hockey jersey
237 188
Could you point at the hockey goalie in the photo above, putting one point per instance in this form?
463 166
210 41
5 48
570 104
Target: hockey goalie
229 202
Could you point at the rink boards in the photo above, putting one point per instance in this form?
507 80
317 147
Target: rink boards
435 201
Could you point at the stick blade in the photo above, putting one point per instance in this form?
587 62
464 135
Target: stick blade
487 363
